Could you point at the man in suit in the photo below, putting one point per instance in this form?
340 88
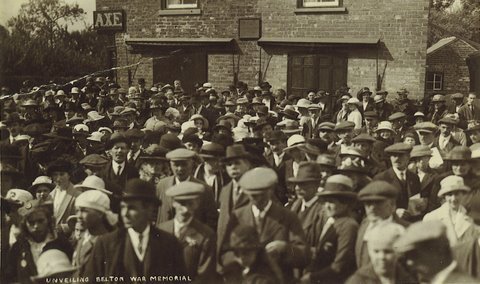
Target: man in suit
378 198
118 171
276 157
196 238
470 110
419 159
237 162
181 163
310 127
457 103
426 250
445 141
279 228
135 137
307 206
365 142
139 249
406 182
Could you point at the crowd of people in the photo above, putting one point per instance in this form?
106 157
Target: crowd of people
244 185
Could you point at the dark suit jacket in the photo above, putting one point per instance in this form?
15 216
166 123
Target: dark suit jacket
451 143
118 182
207 212
163 255
309 131
221 179
384 112
335 252
361 247
281 189
465 113
366 275
410 188
198 242
311 220
279 224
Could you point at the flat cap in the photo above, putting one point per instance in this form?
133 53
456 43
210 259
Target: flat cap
370 114
448 120
399 148
344 125
185 190
378 190
426 126
420 232
420 151
457 96
257 180
180 154
327 125
397 115
364 137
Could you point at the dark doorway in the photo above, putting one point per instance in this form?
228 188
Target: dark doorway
190 68
316 72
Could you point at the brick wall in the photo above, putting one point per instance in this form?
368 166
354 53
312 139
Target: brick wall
451 61
400 24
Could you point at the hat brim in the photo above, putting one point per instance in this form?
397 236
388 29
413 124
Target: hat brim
351 195
373 198
448 190
85 188
286 149
32 188
302 180
304 148
43 277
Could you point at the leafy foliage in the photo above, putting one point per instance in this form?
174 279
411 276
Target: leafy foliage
38 42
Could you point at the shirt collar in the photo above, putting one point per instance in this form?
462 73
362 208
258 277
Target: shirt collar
178 225
115 165
177 181
262 213
145 232
307 204
397 172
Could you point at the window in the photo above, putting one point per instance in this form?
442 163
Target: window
434 81
181 4
320 3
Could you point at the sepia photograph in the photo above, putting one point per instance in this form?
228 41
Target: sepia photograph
240 141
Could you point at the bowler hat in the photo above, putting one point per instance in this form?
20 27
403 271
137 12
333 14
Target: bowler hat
170 141
378 190
459 153
236 151
139 189
116 138
307 171
212 150
338 186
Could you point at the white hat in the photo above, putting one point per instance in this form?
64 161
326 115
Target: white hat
20 195
475 150
81 128
52 262
95 183
105 129
452 183
60 93
303 103
207 85
42 180
385 125
98 200
75 90
294 141
21 137
132 90
353 101
96 136
93 116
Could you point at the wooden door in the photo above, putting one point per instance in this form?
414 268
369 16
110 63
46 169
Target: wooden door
317 72
190 68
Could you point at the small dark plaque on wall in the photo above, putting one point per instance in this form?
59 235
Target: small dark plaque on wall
250 28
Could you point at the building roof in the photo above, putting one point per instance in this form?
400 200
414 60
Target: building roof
449 40
317 41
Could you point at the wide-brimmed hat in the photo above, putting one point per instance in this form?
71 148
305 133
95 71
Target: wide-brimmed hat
294 142
201 117
289 126
63 133
290 113
459 153
236 151
59 165
140 189
452 183
315 146
42 180
51 263
93 116
307 172
212 150
362 91
338 186
385 125
93 183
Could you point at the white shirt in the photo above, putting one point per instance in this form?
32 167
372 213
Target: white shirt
443 141
177 181
134 155
307 204
134 238
399 173
58 199
209 179
421 175
177 226
442 276
37 248
278 158
295 167
115 167
261 213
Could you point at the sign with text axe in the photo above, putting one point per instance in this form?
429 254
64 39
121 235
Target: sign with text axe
109 20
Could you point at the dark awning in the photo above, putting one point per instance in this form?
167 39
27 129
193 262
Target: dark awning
315 42
140 45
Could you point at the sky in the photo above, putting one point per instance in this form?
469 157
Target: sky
10 8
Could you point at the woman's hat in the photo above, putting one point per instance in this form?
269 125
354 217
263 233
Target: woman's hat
98 200
51 263
459 153
452 183
199 116
385 125
93 183
42 180
59 165
338 186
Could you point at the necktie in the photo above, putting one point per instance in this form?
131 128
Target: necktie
130 159
119 170
259 223
236 194
327 226
140 246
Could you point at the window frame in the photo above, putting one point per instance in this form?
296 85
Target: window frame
337 3
180 11
433 82
165 6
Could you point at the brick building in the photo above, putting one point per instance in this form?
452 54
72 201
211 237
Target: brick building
303 44
451 67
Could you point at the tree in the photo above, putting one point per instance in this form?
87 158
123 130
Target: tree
38 43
